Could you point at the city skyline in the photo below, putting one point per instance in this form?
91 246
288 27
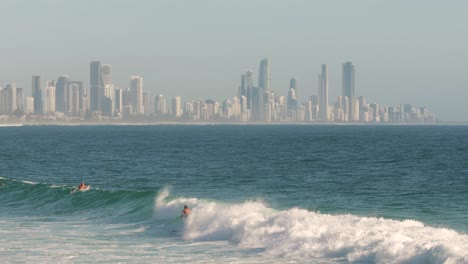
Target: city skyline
405 52
67 100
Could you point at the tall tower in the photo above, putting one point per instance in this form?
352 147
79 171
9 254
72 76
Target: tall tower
264 75
73 100
263 86
49 98
323 94
10 98
61 94
160 105
348 79
37 94
177 107
106 74
96 85
292 85
348 88
246 89
136 86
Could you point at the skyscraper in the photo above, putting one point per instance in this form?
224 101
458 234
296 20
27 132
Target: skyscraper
246 89
263 86
177 107
292 102
49 98
96 85
264 75
323 94
29 105
146 104
118 100
19 98
37 94
292 84
348 80
61 94
108 100
160 105
8 102
136 86
82 97
73 100
348 83
106 74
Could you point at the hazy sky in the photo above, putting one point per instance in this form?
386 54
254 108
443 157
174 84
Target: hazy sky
405 51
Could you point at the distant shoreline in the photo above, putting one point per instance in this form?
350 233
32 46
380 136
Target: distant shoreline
138 123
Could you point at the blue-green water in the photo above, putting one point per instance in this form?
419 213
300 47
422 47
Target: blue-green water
259 194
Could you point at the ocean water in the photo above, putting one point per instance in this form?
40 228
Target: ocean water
258 193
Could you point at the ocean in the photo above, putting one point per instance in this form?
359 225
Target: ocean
258 194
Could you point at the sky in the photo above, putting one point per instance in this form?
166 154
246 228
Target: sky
404 51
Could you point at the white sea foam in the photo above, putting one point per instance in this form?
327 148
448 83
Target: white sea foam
298 233
167 209
30 182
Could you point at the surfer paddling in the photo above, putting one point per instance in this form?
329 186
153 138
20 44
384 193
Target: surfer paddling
82 186
185 212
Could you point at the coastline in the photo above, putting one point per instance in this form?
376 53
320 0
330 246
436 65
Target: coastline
205 123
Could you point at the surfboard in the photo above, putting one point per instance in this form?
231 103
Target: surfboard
87 187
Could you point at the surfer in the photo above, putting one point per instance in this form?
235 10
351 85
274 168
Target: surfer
82 186
185 212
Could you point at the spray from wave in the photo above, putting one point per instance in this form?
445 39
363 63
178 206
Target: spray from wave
298 233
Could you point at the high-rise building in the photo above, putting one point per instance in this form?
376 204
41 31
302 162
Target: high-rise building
264 75
29 105
292 101
73 100
348 81
263 87
246 88
348 84
160 105
106 74
96 85
323 94
177 107
146 104
136 86
49 98
61 94
37 94
19 98
108 101
77 101
8 102
257 104
118 100
292 85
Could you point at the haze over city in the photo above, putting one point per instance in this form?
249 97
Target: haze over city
404 52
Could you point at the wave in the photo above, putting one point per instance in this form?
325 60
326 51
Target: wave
298 233
33 198
293 233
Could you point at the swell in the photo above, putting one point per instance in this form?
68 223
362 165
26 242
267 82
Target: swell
292 234
30 198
